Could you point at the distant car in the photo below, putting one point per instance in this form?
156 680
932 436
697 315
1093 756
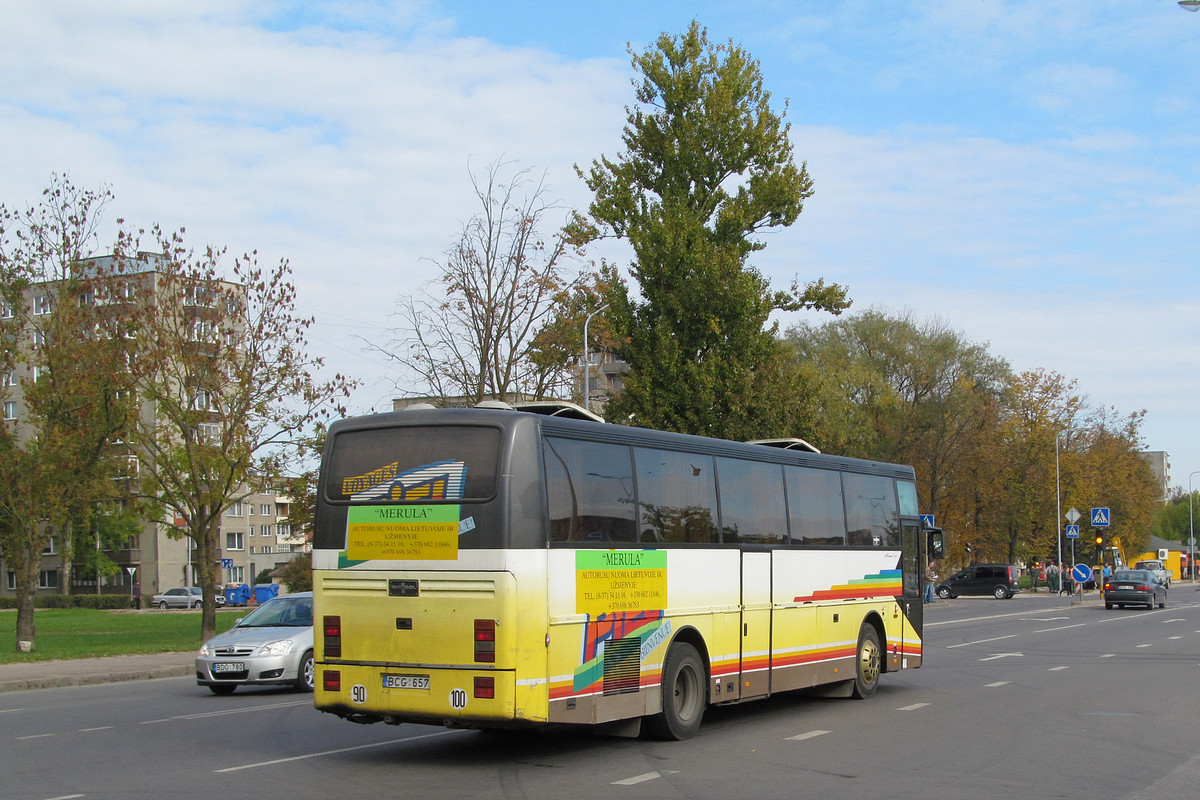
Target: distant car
1129 587
184 597
1158 568
998 580
273 644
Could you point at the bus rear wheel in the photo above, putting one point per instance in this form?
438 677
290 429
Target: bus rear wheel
684 694
868 662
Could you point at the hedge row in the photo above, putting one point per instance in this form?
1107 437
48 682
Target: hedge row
72 601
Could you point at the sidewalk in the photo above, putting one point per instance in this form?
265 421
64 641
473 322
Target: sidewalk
88 671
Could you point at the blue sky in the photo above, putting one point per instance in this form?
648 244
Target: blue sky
1027 172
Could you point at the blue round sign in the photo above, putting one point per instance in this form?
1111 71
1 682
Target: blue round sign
1081 573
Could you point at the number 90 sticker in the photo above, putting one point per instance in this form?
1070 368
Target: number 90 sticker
358 693
458 699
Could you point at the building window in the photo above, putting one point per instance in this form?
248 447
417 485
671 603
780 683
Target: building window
12 581
235 541
48 579
10 378
237 575
235 510
267 550
202 400
266 510
10 410
51 547
6 312
41 304
39 338
208 433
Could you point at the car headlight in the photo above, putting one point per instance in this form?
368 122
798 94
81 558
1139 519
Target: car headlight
275 648
205 650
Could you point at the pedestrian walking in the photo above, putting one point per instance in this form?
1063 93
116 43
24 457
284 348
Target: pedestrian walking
930 580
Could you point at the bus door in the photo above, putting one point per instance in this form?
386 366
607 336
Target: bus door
914 566
756 626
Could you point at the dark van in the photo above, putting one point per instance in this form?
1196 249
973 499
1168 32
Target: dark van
998 580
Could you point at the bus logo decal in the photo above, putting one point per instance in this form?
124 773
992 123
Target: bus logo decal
881 584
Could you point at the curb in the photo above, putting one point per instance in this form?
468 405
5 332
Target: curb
59 681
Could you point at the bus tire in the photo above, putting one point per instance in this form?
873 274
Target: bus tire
684 695
868 662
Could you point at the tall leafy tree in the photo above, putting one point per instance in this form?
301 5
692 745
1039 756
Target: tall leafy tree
225 370
67 353
707 168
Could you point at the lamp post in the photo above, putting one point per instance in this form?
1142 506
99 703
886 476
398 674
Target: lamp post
1191 520
587 359
1058 508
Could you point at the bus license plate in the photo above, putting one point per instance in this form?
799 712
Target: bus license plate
406 681
228 666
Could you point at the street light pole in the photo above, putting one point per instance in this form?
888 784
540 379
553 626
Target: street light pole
1058 509
587 359
1191 530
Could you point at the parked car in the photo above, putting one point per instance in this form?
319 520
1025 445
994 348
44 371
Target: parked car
273 644
184 597
1158 568
998 580
1134 587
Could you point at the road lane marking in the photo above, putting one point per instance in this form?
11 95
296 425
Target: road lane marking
982 641
1108 655
997 683
35 736
913 707
645 776
1145 645
274 761
224 712
1063 628
1056 669
995 656
810 735
102 728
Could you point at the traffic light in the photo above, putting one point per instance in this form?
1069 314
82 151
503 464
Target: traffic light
1099 548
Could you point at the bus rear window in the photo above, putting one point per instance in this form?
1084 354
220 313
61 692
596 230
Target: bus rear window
413 464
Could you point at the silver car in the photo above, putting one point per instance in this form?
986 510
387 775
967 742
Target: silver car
184 597
273 644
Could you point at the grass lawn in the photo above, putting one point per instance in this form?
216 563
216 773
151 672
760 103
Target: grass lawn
88 633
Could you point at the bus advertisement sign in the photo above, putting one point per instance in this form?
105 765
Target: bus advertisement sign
607 581
402 532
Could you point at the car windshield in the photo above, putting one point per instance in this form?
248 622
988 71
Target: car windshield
1131 575
289 612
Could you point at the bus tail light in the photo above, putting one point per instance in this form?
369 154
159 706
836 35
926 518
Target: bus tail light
485 641
333 636
485 688
331 680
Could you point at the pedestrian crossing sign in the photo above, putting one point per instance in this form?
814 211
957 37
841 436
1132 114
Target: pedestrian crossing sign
1100 517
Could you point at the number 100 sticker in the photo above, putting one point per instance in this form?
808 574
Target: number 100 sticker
458 699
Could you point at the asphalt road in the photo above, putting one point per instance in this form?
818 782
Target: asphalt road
1030 698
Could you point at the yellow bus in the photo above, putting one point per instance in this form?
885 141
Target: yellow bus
495 568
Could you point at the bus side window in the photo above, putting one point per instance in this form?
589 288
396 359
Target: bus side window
677 496
589 489
752 507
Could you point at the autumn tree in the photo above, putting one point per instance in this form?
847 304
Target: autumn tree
470 333
65 353
707 168
227 379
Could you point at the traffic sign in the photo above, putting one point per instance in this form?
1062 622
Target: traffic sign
226 563
927 521
1081 573
1073 515
1072 531
1100 517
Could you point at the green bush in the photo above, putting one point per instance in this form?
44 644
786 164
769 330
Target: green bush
96 601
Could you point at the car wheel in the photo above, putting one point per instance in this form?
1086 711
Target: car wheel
684 695
944 592
1163 603
223 689
1001 593
868 663
1108 606
162 604
306 675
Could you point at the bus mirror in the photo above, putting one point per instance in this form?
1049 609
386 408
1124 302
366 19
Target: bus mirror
937 544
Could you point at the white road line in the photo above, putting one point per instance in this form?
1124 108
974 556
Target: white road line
102 728
1145 645
67 797
645 776
913 707
334 752
1173 638
227 711
997 683
1063 628
810 735
982 641
10 710
1057 669
35 736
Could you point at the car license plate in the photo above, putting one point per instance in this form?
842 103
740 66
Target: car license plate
406 681
228 666
1124 586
